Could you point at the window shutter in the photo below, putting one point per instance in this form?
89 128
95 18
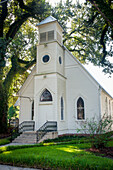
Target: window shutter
50 35
42 37
58 37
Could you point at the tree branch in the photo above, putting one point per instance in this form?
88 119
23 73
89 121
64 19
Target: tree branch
108 12
102 42
15 26
23 6
16 69
23 61
3 15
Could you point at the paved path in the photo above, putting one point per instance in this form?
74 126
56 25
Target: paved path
10 144
7 167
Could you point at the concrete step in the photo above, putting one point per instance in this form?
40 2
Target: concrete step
26 137
31 137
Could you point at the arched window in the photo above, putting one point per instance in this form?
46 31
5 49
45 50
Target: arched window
80 109
62 109
46 96
32 112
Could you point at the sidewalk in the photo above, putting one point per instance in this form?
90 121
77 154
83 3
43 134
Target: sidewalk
13 144
7 167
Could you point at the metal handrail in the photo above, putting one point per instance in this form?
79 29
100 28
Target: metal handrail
45 128
16 131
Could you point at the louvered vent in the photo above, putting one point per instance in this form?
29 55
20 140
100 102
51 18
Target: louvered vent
58 37
43 37
50 35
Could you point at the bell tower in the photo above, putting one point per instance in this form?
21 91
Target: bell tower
49 50
50 81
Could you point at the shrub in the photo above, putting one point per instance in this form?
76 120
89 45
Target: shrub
99 131
65 138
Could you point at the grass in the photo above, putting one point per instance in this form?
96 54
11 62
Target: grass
54 156
4 141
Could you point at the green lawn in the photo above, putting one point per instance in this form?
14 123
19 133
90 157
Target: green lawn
68 156
4 141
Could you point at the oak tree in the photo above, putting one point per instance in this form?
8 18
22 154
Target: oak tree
13 14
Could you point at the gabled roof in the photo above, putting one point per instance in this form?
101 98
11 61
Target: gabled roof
87 71
27 80
47 20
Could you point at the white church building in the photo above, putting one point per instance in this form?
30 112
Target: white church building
59 88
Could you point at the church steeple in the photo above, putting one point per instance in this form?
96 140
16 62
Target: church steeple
50 81
50 30
50 56
47 20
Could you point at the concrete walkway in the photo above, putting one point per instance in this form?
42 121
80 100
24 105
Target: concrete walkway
13 144
7 167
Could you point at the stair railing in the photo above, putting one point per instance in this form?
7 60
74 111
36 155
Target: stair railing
24 126
49 126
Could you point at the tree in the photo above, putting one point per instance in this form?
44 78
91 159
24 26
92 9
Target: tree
13 14
103 9
87 38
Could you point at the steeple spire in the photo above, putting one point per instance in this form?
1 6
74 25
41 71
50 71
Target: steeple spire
47 20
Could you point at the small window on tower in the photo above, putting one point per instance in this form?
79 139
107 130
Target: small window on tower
50 35
45 58
43 37
59 37
60 60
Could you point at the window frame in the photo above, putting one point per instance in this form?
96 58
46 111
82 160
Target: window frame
76 109
48 101
47 36
60 109
43 58
44 54
32 110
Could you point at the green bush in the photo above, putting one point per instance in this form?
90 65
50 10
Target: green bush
66 138
99 131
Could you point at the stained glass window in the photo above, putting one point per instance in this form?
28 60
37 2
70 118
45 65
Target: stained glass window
46 96
80 109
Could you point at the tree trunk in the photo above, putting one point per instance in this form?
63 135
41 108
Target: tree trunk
3 109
